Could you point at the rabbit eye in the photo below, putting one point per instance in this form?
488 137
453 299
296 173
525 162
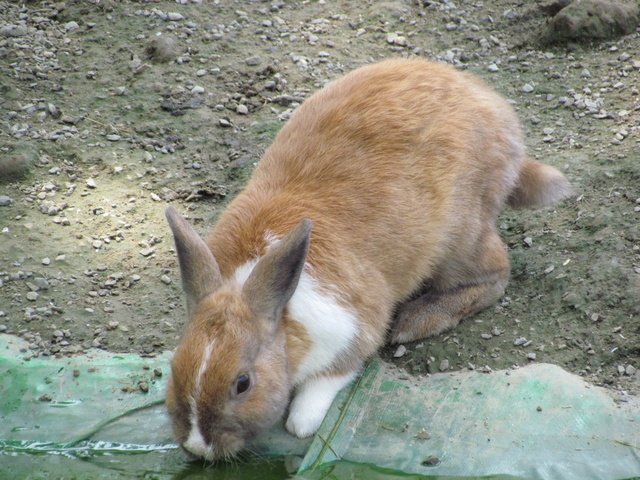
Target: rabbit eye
243 383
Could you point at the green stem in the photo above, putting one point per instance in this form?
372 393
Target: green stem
107 421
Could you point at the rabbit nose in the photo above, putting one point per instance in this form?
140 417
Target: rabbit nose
197 445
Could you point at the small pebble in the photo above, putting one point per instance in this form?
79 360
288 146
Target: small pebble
32 296
431 461
174 16
526 88
147 251
165 279
46 261
70 26
444 365
91 183
5 201
253 61
400 351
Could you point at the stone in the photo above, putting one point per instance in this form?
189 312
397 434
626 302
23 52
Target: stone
400 351
13 31
592 19
5 201
70 26
552 7
17 162
253 61
163 48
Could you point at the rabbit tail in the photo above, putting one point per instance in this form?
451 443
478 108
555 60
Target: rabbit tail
538 185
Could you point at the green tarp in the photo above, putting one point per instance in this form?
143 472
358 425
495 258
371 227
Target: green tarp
101 416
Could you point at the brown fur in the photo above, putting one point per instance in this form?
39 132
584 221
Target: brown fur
403 166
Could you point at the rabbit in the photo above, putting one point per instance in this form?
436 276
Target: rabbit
376 201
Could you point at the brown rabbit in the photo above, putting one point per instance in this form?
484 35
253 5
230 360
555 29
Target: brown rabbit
385 181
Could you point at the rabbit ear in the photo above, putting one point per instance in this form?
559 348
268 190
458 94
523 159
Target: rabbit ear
198 267
275 277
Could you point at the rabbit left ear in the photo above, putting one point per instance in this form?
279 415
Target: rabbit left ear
275 277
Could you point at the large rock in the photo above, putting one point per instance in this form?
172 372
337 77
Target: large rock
17 163
593 19
163 49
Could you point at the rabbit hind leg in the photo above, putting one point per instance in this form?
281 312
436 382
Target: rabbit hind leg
447 302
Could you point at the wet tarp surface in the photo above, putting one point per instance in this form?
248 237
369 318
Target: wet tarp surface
537 422
101 416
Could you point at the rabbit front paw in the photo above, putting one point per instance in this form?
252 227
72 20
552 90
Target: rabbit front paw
311 403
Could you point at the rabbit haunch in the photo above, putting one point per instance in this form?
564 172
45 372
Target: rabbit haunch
399 170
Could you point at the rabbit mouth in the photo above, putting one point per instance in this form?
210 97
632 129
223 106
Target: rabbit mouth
227 445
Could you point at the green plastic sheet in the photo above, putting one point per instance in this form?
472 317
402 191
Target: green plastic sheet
101 415
537 422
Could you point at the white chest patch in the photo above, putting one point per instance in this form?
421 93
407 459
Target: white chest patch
330 326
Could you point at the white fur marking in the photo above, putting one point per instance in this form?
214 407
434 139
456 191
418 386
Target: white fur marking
203 367
196 443
330 326
311 403
241 275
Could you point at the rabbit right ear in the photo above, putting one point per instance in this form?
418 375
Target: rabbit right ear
198 267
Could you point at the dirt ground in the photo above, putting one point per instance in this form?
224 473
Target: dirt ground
113 109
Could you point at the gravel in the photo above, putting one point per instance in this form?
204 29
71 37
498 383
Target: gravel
104 123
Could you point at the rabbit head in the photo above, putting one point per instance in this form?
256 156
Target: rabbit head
229 375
